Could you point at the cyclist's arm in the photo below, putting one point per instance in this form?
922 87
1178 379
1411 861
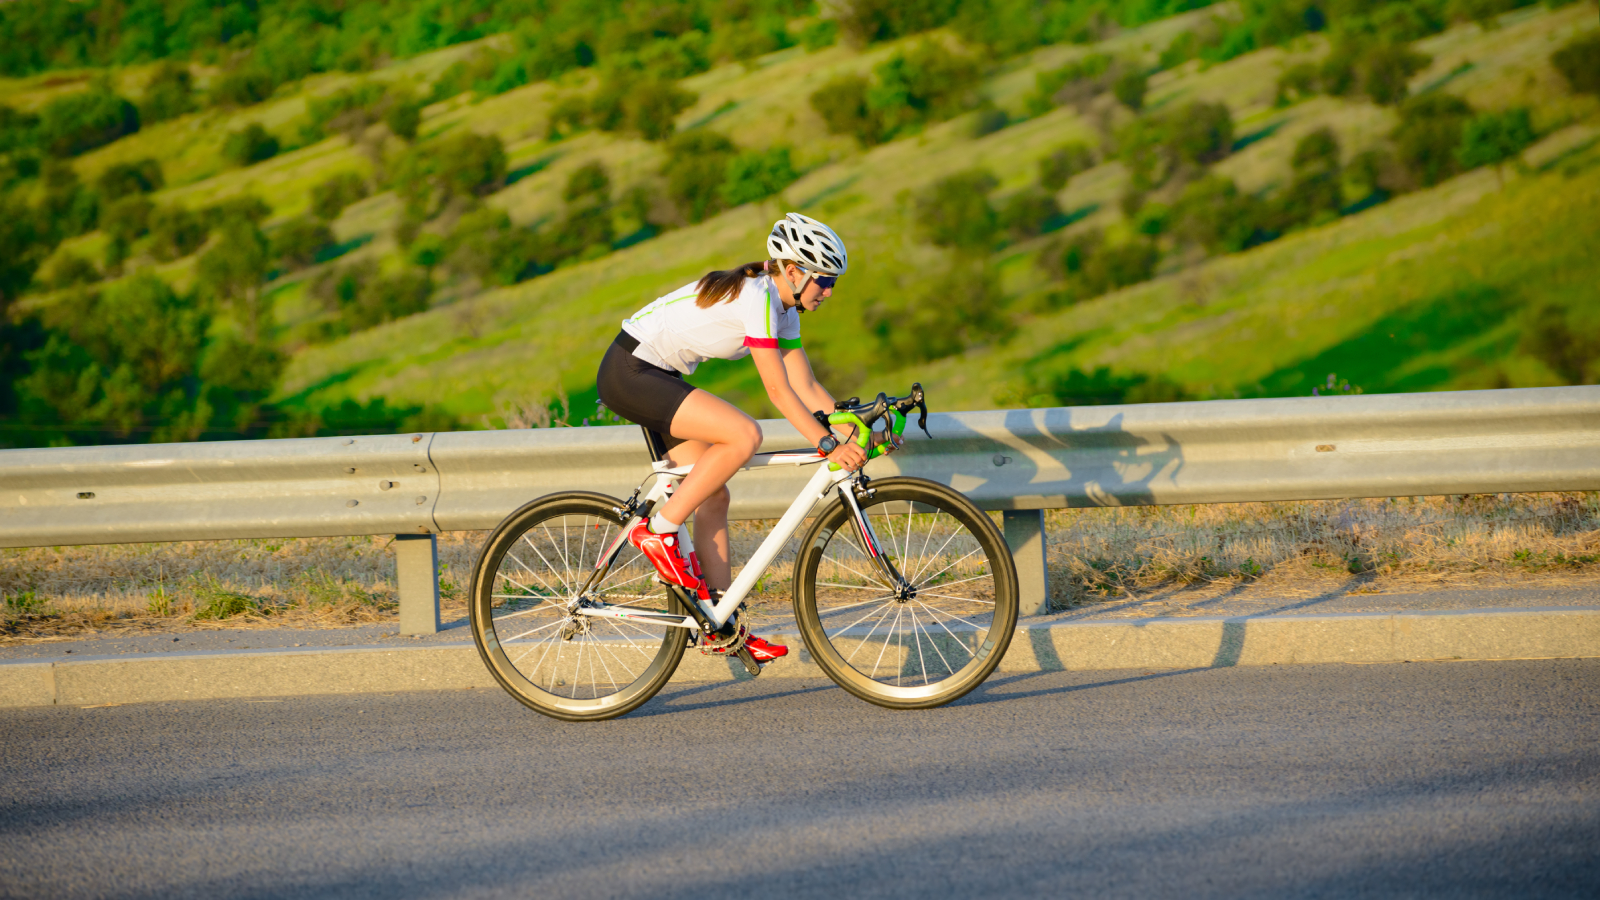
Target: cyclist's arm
804 380
775 378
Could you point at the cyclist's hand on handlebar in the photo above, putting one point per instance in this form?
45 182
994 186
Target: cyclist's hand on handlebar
889 442
848 456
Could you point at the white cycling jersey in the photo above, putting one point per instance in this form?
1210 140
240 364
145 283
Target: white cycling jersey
674 333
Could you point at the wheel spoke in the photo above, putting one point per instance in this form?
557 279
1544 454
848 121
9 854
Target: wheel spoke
542 563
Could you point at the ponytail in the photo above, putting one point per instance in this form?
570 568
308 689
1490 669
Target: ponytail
724 284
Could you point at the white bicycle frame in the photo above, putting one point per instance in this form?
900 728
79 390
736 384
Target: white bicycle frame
667 478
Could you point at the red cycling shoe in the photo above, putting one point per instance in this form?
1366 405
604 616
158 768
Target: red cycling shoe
662 550
765 651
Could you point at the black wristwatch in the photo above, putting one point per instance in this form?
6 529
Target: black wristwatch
828 444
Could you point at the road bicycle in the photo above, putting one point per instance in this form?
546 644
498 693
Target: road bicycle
905 593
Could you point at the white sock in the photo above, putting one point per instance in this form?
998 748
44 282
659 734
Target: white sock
662 525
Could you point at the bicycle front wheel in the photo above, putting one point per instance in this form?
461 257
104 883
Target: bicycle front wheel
913 649
525 619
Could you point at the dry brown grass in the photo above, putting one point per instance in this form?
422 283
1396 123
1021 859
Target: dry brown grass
1407 543
1095 554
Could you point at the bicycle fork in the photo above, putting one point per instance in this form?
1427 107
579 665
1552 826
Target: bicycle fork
903 590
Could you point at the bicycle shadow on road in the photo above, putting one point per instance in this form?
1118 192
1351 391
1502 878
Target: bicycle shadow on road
995 689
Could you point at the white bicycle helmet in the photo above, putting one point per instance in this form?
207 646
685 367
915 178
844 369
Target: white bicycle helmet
808 242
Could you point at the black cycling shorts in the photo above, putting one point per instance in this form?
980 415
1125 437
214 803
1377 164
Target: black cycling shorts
640 392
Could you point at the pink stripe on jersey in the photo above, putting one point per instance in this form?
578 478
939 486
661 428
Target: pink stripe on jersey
770 343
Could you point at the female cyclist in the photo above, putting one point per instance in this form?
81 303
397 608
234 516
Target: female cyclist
753 310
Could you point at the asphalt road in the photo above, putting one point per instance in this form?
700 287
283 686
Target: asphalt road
1436 779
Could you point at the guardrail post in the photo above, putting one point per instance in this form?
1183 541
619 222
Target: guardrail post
1024 530
416 564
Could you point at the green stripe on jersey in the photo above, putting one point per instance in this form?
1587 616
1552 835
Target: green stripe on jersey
789 343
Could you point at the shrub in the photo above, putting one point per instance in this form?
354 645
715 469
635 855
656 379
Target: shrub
244 208
842 104
955 212
1026 213
242 87
168 94
128 219
486 246
249 145
963 306
1493 139
867 21
18 129
1317 191
988 120
67 208
588 181
70 269
330 196
232 272
1118 266
80 122
1579 63
298 242
695 169
1429 134
1058 168
1297 83
756 175
1213 213
461 164
1129 89
643 106
121 179
403 119
819 34
1074 83
1385 70
175 232
385 298
926 83
1564 339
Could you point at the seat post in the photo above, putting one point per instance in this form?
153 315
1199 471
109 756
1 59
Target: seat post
655 443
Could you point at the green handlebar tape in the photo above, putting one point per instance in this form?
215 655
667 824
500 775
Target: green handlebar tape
850 418
897 424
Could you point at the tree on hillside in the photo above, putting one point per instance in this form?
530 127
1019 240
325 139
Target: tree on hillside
1579 63
1429 134
249 145
168 94
76 123
695 168
1494 139
121 179
1058 168
330 196
756 175
955 212
232 272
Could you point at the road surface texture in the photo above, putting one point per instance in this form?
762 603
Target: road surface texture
1425 779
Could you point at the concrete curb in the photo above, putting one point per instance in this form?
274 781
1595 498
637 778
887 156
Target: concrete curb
1150 643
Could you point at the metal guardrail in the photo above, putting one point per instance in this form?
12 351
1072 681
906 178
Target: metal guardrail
1538 439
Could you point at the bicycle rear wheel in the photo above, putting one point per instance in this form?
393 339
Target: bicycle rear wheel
525 620
928 646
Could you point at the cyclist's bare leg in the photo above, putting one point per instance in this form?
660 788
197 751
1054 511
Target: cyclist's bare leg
721 438
710 522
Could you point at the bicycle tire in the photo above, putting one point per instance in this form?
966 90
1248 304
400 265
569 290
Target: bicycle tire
957 634
524 592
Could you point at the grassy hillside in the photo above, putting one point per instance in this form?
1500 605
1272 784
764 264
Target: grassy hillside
1422 293
1461 284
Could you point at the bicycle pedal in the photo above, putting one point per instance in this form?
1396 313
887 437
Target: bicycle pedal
749 660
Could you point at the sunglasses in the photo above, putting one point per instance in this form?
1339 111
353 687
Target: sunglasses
825 282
